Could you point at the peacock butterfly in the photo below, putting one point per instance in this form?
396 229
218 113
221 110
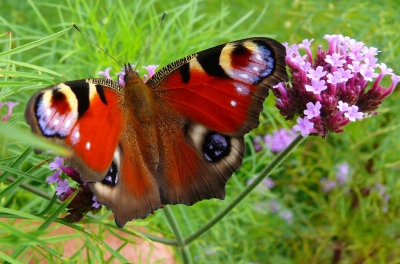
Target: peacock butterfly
175 139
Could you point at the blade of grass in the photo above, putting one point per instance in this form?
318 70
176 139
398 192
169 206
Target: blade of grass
31 66
34 43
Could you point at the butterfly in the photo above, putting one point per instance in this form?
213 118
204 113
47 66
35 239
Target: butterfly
175 139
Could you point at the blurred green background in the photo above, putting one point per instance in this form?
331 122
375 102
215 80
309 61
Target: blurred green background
354 223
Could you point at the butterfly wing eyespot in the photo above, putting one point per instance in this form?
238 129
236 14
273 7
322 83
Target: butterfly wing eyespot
128 188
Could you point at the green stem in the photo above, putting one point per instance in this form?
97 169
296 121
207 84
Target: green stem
165 241
184 250
264 173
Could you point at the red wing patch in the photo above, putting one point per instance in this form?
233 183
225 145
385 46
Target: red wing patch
219 103
223 87
95 135
83 116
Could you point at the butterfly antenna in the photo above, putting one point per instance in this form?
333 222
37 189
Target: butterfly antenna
151 38
80 31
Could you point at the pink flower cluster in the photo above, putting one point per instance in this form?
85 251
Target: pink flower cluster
330 90
83 202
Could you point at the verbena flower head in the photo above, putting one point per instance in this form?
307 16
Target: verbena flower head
83 202
336 86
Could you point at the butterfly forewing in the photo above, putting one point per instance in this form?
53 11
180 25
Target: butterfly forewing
84 116
223 87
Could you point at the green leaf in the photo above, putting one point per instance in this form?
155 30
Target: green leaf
34 44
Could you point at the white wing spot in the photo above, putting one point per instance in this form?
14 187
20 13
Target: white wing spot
258 57
244 76
77 134
68 123
242 89
88 145
48 112
255 68
233 103
56 121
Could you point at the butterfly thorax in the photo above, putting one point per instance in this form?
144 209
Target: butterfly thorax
139 97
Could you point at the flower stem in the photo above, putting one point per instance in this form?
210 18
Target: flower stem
182 245
264 173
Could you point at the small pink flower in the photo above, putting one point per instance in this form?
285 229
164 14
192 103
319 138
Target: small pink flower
62 187
95 202
316 87
57 163
345 75
334 78
151 70
317 74
304 125
55 178
313 110
10 108
355 66
343 107
352 113
335 60
368 73
121 76
106 73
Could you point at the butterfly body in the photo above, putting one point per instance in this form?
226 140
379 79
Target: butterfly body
175 139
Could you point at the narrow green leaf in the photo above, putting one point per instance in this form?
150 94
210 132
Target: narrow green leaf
9 259
21 173
31 66
34 43
16 74
20 233
20 214
17 162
